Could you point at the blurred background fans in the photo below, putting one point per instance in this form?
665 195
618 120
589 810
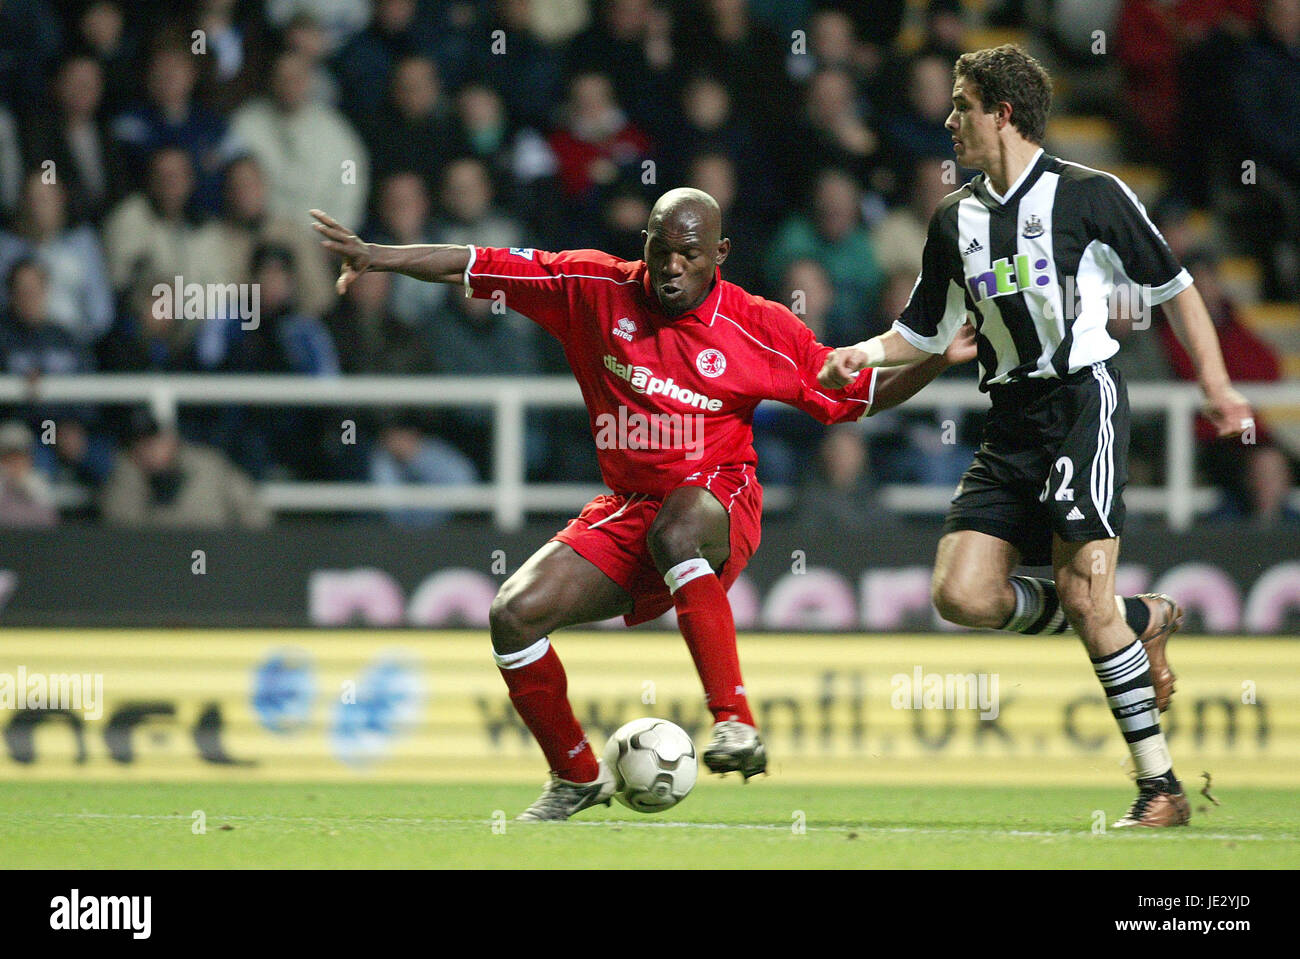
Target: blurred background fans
147 141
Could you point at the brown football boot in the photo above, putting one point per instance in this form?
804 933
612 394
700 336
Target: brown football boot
1166 619
1160 802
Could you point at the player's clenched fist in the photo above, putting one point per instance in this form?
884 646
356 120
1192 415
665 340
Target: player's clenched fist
1230 412
842 366
338 239
963 348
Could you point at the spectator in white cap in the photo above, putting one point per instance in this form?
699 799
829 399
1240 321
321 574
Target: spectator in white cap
26 499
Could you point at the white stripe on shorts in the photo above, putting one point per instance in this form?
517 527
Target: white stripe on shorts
1102 479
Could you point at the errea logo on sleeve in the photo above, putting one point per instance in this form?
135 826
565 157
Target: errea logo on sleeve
524 251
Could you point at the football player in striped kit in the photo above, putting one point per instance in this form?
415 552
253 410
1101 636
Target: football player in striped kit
1031 251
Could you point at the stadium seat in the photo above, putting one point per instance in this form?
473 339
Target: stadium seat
1278 322
1241 277
1148 182
1205 232
1092 141
979 38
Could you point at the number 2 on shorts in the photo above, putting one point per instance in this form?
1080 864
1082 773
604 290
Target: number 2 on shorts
1063 492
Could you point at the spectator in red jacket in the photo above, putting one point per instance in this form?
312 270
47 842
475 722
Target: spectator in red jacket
1256 476
1163 47
596 141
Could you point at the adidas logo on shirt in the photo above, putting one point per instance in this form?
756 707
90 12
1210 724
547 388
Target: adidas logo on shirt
973 248
1075 513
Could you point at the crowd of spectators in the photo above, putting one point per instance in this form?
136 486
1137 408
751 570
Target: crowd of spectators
1213 86
150 145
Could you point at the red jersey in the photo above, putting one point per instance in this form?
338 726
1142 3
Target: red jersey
667 396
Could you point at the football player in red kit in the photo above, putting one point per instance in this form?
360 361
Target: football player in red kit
672 360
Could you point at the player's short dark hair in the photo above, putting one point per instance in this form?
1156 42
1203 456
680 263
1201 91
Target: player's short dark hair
277 253
1008 74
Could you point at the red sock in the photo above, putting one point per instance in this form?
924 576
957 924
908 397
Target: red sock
704 617
539 691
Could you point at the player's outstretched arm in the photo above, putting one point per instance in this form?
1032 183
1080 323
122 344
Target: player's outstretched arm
1227 409
434 263
899 384
887 349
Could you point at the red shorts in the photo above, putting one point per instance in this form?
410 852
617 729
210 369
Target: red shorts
610 533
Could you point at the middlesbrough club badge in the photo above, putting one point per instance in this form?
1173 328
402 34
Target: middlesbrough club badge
711 363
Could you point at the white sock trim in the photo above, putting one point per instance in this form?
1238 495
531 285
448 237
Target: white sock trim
1151 756
684 572
523 657
1029 604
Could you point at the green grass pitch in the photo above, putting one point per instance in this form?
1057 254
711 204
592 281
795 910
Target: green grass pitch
723 824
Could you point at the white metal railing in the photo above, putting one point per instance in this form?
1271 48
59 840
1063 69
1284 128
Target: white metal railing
509 497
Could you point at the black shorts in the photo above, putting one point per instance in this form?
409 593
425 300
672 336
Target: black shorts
1054 460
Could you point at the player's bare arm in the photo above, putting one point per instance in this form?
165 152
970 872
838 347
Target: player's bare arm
899 384
887 349
1227 409
433 263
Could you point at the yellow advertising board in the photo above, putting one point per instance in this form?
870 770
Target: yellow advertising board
426 706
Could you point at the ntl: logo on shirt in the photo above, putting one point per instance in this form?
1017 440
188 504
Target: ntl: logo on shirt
653 431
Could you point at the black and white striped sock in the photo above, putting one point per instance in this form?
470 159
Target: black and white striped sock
1038 607
1126 677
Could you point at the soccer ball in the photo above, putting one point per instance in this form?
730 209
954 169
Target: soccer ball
653 763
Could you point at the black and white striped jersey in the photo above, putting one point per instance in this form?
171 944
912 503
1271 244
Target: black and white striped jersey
1035 270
